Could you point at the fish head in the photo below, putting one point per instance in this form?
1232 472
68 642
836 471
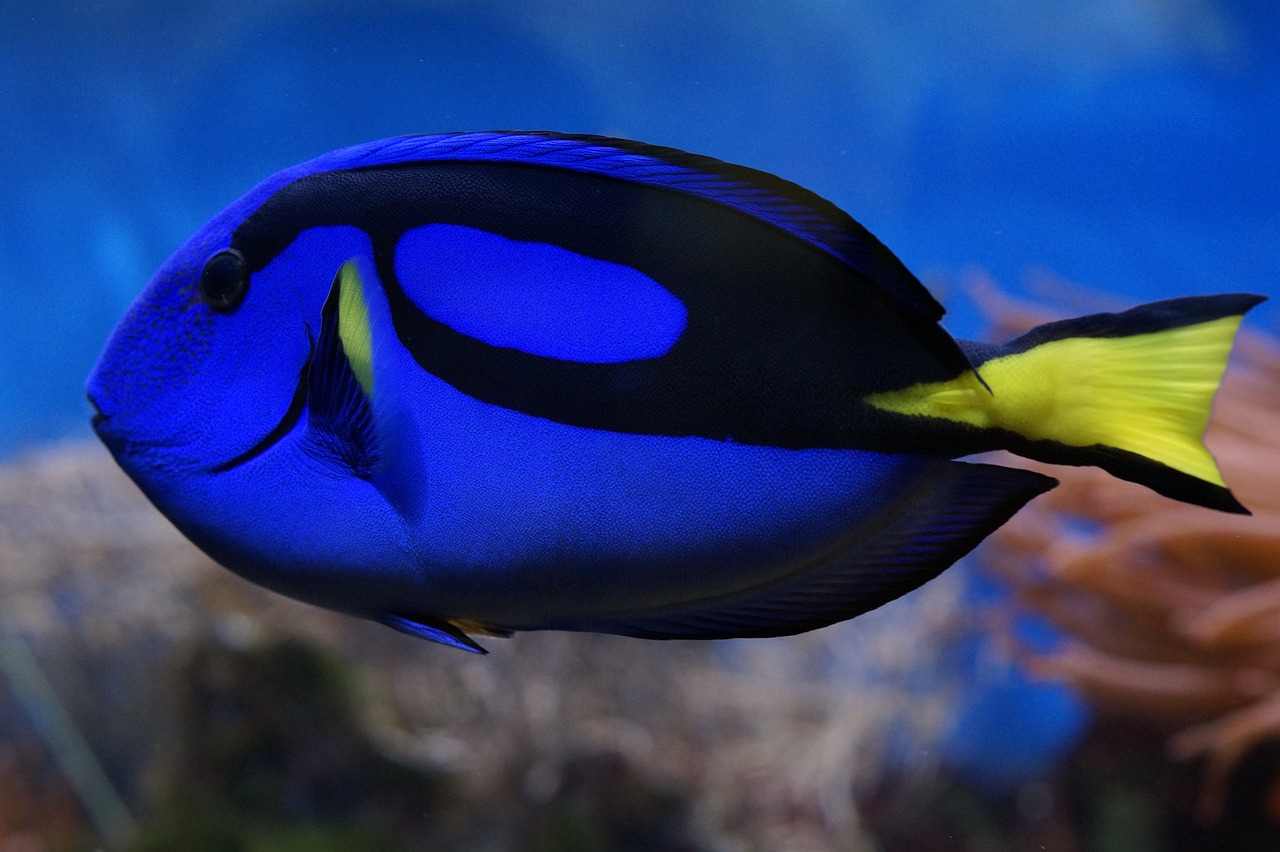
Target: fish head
201 395
203 364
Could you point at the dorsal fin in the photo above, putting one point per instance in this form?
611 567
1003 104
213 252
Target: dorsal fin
758 194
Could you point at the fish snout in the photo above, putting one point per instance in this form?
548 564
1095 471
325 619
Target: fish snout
99 416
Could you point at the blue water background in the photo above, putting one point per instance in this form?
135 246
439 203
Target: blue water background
1130 145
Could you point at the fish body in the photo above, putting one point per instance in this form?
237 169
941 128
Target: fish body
491 382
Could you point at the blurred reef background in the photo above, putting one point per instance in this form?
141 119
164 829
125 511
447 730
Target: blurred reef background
1102 675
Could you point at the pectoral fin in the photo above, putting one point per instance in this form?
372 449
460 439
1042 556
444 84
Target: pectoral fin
445 632
341 384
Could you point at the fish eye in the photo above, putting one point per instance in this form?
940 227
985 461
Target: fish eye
224 280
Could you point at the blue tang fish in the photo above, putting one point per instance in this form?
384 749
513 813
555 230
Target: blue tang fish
479 383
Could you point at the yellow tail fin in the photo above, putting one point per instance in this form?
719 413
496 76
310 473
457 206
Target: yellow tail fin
1130 392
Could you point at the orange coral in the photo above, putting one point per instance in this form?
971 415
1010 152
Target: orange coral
1171 612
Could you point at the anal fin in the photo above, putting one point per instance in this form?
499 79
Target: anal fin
948 513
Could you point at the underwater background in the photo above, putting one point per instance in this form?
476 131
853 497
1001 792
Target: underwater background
1126 146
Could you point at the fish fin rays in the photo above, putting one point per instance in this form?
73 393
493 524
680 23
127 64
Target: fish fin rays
1132 393
1138 395
775 200
941 520
1129 392
752 192
442 631
339 403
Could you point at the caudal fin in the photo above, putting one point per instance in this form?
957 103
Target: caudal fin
1129 392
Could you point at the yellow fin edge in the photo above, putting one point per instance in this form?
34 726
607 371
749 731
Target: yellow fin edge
478 628
353 325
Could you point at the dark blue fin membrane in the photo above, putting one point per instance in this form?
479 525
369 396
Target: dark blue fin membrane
340 414
758 194
1122 464
1143 319
433 630
945 517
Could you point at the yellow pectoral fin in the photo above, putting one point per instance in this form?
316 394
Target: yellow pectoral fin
353 325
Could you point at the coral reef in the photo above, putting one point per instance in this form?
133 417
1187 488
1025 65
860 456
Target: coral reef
186 683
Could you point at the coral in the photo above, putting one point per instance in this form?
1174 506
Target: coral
552 741
1171 613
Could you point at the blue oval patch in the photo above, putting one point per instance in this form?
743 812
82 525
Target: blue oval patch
536 297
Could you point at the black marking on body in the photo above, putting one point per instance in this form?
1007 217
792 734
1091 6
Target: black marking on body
782 342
